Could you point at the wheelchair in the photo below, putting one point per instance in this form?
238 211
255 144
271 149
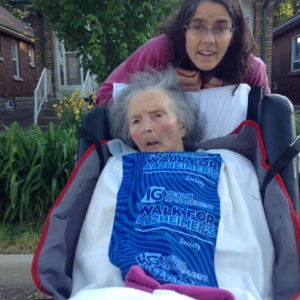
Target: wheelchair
274 116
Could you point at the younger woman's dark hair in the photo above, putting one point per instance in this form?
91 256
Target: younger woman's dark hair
235 64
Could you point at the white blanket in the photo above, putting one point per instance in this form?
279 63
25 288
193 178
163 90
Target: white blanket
244 254
120 293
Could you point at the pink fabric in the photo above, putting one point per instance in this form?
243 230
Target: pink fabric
136 278
259 74
155 54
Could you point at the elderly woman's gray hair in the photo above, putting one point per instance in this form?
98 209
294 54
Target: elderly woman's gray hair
166 81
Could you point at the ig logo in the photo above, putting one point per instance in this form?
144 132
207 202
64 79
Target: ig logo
149 259
154 193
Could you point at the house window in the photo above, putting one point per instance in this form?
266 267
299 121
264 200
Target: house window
10 104
31 56
69 66
249 15
295 64
15 59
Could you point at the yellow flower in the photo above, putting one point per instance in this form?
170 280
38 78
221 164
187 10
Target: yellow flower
74 107
54 105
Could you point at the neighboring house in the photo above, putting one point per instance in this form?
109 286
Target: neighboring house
286 59
52 54
17 66
66 74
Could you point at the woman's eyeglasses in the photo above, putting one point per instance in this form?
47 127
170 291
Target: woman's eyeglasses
219 31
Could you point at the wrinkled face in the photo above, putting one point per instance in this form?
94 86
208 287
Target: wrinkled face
153 125
207 50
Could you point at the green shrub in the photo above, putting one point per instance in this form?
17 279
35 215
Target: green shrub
34 167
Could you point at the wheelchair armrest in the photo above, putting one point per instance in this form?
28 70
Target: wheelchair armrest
276 120
96 123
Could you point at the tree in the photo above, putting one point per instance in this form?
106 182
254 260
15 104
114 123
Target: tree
104 32
284 9
14 11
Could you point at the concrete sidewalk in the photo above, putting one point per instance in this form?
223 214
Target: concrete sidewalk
15 271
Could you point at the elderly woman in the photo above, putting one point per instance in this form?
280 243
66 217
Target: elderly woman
169 117
161 213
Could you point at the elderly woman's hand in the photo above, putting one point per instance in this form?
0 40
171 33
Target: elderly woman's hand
191 81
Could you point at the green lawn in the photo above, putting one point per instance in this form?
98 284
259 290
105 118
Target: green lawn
20 238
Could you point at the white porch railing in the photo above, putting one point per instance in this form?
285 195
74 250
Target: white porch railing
89 85
43 89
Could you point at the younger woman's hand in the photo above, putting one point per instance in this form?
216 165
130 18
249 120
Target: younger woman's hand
189 80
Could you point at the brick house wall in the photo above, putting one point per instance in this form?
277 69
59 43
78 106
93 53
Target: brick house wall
285 82
48 48
20 91
10 86
258 27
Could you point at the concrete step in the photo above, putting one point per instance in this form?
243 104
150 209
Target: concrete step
48 112
49 104
51 97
